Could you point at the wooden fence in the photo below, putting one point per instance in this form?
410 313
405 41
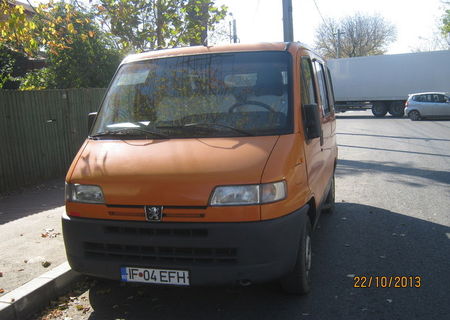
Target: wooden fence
40 133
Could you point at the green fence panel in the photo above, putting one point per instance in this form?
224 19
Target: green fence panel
40 133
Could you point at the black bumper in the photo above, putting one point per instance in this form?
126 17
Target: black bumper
214 253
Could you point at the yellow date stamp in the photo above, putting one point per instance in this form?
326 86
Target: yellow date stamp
387 281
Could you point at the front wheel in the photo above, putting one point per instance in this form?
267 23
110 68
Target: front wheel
298 281
414 115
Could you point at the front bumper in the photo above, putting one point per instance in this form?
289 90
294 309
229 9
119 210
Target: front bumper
213 253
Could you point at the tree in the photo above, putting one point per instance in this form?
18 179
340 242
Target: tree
139 25
78 53
359 36
445 28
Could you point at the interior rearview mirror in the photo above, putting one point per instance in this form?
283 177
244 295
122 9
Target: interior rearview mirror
91 119
312 121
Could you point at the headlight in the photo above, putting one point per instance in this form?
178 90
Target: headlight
84 193
248 194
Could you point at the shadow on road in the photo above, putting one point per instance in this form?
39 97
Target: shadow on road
392 150
356 167
46 196
356 240
389 137
366 116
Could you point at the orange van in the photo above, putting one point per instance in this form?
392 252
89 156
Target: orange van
205 166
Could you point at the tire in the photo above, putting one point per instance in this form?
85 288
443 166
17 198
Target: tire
298 281
397 109
330 204
414 115
379 109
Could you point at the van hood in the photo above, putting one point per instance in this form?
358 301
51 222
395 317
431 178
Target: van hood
176 172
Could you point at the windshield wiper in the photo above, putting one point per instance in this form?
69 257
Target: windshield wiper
207 125
128 131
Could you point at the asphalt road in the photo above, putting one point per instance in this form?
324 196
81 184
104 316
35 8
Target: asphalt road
392 219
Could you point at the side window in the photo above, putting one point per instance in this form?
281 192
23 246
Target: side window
308 90
330 89
322 87
440 98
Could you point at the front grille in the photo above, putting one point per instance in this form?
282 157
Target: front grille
163 254
157 232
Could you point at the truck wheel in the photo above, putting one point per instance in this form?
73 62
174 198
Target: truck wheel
330 205
379 109
298 281
414 115
397 109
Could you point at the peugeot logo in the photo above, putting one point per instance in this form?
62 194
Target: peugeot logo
153 213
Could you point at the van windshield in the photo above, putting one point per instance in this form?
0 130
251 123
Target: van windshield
209 95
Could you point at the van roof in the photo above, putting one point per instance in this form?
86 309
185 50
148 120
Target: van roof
273 46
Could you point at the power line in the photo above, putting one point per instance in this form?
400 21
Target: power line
320 13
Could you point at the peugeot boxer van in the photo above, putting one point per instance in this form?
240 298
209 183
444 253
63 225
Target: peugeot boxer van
205 166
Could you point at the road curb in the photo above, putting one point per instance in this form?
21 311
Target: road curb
33 296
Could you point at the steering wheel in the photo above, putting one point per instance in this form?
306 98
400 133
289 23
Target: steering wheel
252 103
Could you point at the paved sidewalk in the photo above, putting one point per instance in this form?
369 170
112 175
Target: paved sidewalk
31 242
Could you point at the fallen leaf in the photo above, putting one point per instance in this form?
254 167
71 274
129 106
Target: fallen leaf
20 269
1 274
46 264
2 290
79 307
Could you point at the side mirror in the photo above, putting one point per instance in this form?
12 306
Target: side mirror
313 128
91 119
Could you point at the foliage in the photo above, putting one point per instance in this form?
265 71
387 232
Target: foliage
78 50
38 80
6 65
139 25
359 36
78 53
446 22
86 58
12 67
445 28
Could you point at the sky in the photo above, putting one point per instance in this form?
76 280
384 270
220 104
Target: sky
261 20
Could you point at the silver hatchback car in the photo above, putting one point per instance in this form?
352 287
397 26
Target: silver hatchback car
427 105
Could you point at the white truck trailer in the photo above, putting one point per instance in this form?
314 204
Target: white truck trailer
383 82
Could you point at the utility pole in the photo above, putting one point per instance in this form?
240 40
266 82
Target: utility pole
338 49
288 29
234 31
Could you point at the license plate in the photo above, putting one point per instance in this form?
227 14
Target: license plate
157 276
